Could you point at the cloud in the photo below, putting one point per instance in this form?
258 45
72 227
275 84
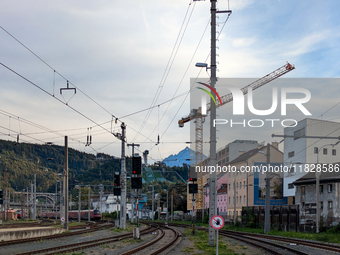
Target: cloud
244 42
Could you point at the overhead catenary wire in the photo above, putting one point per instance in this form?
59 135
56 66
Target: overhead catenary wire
166 71
72 108
192 85
55 71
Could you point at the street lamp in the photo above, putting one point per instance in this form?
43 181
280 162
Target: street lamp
317 177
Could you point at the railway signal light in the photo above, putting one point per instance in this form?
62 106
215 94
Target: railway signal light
116 180
193 188
117 191
136 183
136 165
193 179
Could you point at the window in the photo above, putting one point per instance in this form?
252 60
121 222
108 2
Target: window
236 185
229 200
329 188
291 154
290 186
292 169
225 198
303 190
316 150
244 184
240 185
299 133
240 200
236 200
330 204
303 205
229 184
321 206
321 188
244 199
218 198
334 152
324 151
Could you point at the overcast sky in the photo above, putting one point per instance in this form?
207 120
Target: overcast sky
125 56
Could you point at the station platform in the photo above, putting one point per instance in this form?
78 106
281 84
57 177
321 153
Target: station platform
20 233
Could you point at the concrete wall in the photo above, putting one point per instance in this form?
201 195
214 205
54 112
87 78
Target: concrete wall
15 234
309 199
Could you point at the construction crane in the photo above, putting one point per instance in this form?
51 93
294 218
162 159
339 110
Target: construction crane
196 114
229 97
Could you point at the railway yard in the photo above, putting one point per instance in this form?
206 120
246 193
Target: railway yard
103 237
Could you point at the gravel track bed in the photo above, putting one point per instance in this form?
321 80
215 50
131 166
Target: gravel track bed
117 248
303 248
32 246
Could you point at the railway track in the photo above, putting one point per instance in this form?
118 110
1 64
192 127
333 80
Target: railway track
162 235
34 239
273 248
85 245
328 247
259 241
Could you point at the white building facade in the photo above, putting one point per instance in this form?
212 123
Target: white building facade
301 153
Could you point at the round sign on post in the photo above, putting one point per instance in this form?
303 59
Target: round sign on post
62 219
217 222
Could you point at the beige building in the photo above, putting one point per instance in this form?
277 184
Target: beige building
243 182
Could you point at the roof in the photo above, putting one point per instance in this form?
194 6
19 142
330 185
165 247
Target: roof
325 177
250 154
225 189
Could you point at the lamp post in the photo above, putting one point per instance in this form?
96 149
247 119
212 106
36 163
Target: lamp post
317 177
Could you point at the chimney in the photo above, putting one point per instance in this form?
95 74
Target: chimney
275 144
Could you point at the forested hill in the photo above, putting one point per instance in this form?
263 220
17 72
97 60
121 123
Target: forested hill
19 162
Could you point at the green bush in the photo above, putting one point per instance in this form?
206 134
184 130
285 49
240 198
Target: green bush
334 230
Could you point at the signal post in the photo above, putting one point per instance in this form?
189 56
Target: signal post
136 184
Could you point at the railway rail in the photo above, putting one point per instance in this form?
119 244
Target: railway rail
85 245
162 235
324 246
258 240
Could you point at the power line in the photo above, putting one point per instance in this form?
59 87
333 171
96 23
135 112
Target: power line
196 76
97 124
56 71
166 72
